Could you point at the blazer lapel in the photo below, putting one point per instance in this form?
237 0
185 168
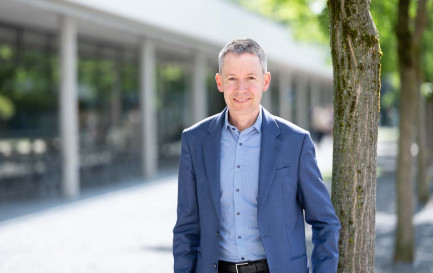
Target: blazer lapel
211 150
269 153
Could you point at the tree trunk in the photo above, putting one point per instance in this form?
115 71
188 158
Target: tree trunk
409 65
356 61
404 246
423 155
429 130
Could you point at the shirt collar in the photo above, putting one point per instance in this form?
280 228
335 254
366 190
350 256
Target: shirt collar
257 124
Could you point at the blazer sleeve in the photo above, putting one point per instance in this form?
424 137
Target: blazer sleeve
186 233
319 211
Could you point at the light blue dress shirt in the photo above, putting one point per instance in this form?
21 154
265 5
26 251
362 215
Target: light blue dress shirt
239 172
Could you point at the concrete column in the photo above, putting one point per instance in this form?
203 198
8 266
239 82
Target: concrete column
69 108
149 133
199 88
301 102
323 95
316 89
327 94
286 96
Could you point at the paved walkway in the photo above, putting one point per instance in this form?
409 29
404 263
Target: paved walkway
129 229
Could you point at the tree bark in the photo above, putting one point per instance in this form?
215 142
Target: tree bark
356 62
429 131
423 187
423 155
409 65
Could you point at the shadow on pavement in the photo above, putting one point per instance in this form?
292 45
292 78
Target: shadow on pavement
14 209
386 220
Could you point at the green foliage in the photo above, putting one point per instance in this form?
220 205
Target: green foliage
389 99
170 83
98 78
6 52
7 108
171 73
384 14
129 78
427 90
305 18
25 84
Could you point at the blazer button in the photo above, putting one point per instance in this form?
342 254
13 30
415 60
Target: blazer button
218 235
215 266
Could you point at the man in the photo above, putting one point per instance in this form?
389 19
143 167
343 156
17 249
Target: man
245 180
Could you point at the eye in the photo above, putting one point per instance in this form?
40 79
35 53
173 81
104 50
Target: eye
231 79
251 78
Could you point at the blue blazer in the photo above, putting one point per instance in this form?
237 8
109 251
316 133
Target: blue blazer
290 184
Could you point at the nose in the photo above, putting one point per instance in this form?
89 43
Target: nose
242 86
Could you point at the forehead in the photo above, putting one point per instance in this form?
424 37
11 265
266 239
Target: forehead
244 61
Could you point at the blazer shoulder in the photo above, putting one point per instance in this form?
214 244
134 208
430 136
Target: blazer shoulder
201 126
289 128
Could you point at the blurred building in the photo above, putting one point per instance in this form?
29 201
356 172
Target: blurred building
98 91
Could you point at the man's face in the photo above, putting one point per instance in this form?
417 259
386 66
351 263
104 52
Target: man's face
242 82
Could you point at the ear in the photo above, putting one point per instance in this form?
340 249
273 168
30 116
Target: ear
219 82
267 81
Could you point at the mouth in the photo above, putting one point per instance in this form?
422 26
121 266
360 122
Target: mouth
241 100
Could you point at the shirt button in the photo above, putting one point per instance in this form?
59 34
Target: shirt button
242 258
217 234
238 213
237 190
233 129
239 237
240 144
238 166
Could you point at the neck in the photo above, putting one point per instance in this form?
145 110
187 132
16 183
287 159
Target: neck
243 121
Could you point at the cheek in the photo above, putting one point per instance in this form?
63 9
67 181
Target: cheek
256 89
226 95
254 86
228 89
229 85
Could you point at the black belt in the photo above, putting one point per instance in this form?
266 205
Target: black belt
247 267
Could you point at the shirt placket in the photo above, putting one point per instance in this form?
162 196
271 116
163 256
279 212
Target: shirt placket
238 201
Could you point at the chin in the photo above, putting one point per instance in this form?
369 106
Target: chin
245 109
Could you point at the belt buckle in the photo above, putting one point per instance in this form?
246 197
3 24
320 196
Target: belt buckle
236 265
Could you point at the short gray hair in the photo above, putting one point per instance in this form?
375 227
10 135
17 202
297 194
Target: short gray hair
241 46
